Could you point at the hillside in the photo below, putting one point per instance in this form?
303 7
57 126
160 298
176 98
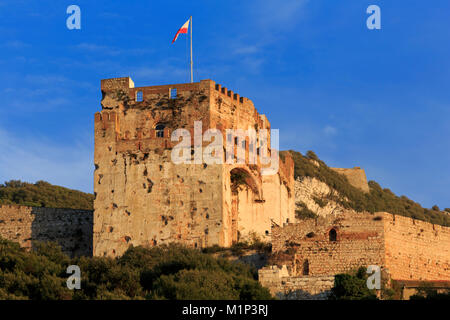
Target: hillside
44 194
320 190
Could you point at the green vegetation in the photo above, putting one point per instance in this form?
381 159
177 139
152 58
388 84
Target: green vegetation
238 178
303 212
165 272
352 286
425 293
378 199
44 194
237 249
320 201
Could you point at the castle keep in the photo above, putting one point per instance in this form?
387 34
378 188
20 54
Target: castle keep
143 198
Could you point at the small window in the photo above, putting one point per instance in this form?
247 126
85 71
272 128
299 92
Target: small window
235 140
160 130
229 137
305 268
173 93
267 232
333 235
139 96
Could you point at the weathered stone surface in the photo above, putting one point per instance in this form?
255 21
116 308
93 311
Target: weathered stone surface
410 249
70 228
355 176
359 242
143 198
308 190
286 287
405 249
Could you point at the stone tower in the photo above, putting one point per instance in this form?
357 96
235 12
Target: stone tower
143 198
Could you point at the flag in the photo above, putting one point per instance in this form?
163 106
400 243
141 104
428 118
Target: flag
183 29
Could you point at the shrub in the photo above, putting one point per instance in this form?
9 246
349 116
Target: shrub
303 212
44 194
165 272
352 287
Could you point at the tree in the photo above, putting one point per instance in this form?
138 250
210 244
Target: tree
352 287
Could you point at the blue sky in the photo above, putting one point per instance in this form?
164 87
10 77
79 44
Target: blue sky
377 99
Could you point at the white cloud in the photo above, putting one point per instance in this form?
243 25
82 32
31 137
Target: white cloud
330 131
38 93
110 50
16 44
249 49
273 14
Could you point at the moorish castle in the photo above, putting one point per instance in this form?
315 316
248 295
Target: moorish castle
144 198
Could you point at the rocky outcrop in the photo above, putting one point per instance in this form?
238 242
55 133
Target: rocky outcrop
317 196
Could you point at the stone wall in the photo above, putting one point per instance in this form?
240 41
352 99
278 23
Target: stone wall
406 250
416 250
306 247
70 228
286 287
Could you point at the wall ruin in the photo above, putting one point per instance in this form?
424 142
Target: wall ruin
355 176
404 248
70 228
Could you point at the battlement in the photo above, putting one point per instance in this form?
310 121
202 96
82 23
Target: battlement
208 88
116 83
229 94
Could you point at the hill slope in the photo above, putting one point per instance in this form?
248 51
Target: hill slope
336 192
44 194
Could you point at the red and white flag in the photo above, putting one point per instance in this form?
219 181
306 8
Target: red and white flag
183 29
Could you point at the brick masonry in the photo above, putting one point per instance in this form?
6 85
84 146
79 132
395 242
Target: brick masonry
404 248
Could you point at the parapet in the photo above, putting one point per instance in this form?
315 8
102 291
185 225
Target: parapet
123 83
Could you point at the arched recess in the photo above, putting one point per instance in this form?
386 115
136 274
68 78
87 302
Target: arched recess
305 270
159 130
241 177
246 193
332 235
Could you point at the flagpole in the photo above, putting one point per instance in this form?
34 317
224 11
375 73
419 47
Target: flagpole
192 62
